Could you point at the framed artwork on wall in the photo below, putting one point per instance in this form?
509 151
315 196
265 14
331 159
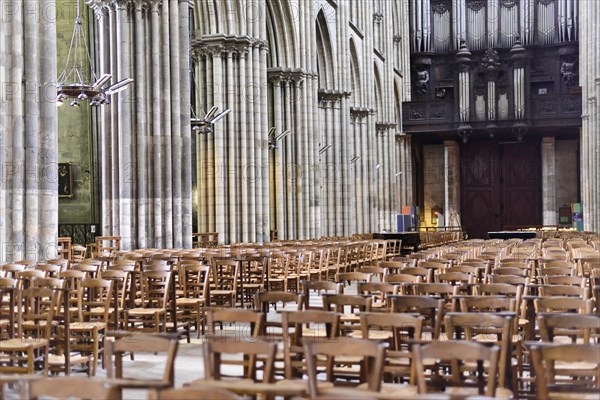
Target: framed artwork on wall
65 180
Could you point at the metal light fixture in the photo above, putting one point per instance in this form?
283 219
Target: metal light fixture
273 139
324 148
74 82
205 124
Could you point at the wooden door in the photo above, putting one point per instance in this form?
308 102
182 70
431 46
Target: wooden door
480 202
500 186
521 183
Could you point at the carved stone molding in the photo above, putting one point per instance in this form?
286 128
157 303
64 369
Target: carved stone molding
508 3
440 6
357 113
332 95
295 75
475 5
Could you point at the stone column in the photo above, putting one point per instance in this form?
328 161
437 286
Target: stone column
550 210
28 133
451 182
589 50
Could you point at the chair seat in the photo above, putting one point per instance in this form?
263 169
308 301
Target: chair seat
374 335
188 301
501 393
145 311
59 360
22 344
221 292
86 326
392 388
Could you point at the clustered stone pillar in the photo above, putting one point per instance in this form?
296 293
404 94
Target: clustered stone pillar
233 160
452 182
589 79
145 133
28 127
550 211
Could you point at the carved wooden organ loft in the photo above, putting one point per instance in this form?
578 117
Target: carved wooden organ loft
486 66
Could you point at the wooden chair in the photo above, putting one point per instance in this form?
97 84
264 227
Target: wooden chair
301 327
72 387
265 302
490 329
224 281
279 275
554 363
320 287
431 308
142 343
371 366
346 305
22 353
398 330
259 351
195 278
89 330
121 281
151 315
453 355
378 291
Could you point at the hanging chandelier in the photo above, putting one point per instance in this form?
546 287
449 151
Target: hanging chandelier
75 83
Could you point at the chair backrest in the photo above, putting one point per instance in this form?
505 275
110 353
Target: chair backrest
457 352
399 325
196 280
155 288
321 287
94 294
562 324
563 304
341 302
371 352
38 307
430 308
264 300
572 357
142 343
564 290
247 323
343 277
215 347
72 387
486 327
